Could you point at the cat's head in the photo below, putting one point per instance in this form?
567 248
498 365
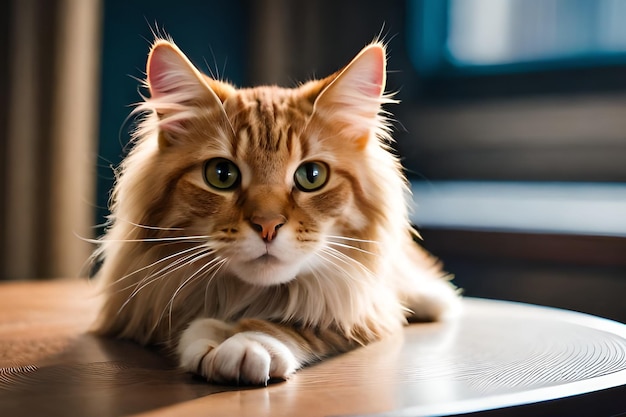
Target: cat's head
276 182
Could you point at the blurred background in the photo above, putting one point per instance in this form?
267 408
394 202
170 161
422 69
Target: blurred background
512 125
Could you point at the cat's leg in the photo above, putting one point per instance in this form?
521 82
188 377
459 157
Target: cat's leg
431 299
248 352
423 288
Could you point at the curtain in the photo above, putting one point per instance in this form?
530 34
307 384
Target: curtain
48 120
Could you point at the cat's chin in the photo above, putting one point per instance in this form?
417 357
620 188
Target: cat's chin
266 270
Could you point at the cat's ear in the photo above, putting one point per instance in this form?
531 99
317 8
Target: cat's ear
177 89
354 96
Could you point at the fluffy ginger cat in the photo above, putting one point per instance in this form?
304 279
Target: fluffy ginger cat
255 231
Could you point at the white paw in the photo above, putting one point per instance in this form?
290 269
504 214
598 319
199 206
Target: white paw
248 358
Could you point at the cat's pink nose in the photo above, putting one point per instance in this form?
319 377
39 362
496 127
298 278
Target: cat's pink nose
267 226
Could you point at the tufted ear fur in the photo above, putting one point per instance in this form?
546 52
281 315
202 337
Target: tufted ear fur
354 97
178 89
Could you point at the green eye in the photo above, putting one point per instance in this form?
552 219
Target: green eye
311 176
221 174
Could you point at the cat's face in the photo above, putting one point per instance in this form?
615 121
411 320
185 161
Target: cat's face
267 193
270 179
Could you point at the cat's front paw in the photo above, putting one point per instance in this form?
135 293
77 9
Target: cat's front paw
247 358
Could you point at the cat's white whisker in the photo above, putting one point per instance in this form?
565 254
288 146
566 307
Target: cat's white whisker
144 226
158 261
340 264
347 259
207 287
154 274
191 239
198 238
176 265
318 279
352 239
356 248
208 267
163 272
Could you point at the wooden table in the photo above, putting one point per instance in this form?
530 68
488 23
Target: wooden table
500 358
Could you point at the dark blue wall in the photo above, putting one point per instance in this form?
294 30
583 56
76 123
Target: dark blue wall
212 33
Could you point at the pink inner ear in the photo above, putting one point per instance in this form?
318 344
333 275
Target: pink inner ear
376 68
155 71
161 65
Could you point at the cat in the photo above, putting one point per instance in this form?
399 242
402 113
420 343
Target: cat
255 231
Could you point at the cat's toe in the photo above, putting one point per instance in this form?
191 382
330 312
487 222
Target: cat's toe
248 359
237 360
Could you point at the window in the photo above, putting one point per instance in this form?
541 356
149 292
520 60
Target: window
493 32
505 35
528 90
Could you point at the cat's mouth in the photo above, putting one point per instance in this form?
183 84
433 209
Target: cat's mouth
267 259
266 269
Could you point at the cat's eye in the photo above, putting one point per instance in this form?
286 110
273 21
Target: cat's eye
311 176
220 173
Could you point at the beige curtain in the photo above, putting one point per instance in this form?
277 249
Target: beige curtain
48 126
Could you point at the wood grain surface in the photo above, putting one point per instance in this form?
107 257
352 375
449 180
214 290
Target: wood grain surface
499 357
